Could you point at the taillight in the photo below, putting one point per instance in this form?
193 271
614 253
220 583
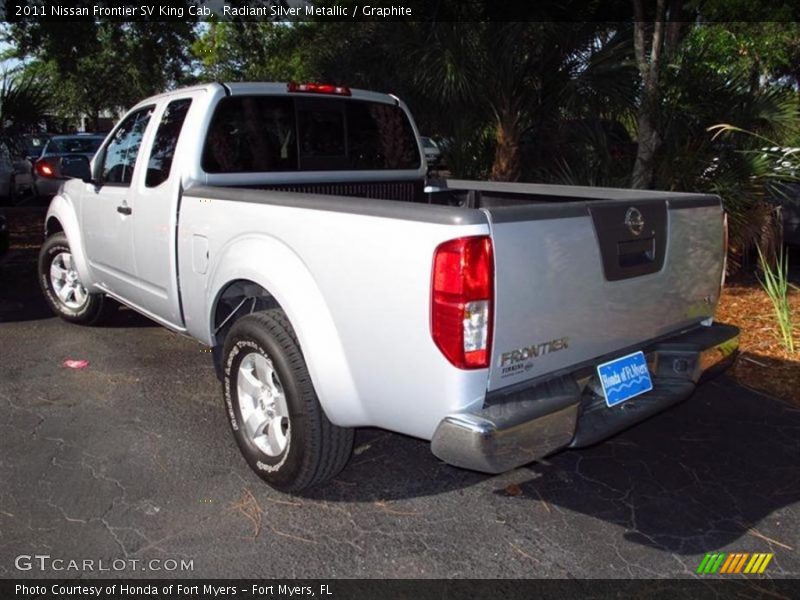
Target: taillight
318 88
462 297
44 169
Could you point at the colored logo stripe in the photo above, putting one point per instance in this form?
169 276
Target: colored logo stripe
720 562
711 563
761 563
732 558
703 564
737 563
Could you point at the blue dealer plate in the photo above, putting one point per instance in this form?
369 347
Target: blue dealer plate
624 378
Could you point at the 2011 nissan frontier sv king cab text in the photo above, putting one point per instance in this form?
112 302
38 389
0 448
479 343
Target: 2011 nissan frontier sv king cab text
290 228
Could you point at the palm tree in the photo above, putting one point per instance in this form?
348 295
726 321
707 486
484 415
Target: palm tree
24 102
486 67
696 156
517 73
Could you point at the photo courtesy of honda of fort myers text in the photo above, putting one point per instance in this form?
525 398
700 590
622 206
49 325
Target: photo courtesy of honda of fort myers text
163 589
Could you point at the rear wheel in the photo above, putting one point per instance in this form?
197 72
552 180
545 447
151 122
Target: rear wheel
272 407
62 287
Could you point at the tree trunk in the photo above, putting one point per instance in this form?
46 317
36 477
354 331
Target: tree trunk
649 142
665 34
648 64
506 165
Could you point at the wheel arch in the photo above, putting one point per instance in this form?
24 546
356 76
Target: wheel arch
234 300
52 227
266 275
61 218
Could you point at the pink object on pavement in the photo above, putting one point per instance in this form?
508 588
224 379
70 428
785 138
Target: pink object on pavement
76 364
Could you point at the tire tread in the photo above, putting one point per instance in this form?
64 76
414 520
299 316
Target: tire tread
97 308
329 446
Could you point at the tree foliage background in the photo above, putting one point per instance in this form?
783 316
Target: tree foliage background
95 66
552 100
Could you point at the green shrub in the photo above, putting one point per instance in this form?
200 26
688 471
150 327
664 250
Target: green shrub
775 281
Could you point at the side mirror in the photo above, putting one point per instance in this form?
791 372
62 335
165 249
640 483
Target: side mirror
76 167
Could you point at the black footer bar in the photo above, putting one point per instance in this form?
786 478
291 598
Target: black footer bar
395 589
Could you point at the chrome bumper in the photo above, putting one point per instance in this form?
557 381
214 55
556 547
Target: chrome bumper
519 426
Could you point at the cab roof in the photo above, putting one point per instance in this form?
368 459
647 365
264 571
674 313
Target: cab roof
274 88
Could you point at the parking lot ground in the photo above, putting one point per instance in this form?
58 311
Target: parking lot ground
131 457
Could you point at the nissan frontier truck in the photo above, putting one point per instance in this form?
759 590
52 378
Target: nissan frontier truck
290 227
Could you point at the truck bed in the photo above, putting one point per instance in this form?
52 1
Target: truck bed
495 194
567 269
574 282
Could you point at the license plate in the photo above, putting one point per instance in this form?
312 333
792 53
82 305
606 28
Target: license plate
625 377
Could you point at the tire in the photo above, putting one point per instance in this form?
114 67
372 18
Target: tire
75 304
284 434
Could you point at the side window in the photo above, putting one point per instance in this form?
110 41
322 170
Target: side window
121 152
163 151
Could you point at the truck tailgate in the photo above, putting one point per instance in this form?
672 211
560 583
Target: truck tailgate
580 280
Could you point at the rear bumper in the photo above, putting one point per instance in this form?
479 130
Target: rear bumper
522 425
47 187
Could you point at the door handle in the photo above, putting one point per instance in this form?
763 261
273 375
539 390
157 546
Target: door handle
124 210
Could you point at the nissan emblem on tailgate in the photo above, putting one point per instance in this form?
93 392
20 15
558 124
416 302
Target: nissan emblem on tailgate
634 221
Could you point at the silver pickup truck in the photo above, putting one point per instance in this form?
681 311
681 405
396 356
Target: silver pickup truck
290 228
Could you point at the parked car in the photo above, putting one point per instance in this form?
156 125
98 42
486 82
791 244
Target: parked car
23 178
32 145
289 228
4 235
433 155
7 175
785 190
786 194
16 179
60 149
24 154
782 185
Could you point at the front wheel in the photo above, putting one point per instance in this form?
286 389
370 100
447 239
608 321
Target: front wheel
62 287
272 407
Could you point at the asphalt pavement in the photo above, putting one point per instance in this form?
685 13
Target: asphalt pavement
130 458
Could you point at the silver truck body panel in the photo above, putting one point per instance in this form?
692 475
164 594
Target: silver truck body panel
550 286
63 213
351 285
567 191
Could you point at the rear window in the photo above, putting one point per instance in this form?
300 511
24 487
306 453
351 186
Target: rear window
76 145
252 134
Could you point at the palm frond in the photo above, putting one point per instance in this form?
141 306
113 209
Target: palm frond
24 102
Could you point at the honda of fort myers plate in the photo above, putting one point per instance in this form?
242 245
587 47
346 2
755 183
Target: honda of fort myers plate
625 377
